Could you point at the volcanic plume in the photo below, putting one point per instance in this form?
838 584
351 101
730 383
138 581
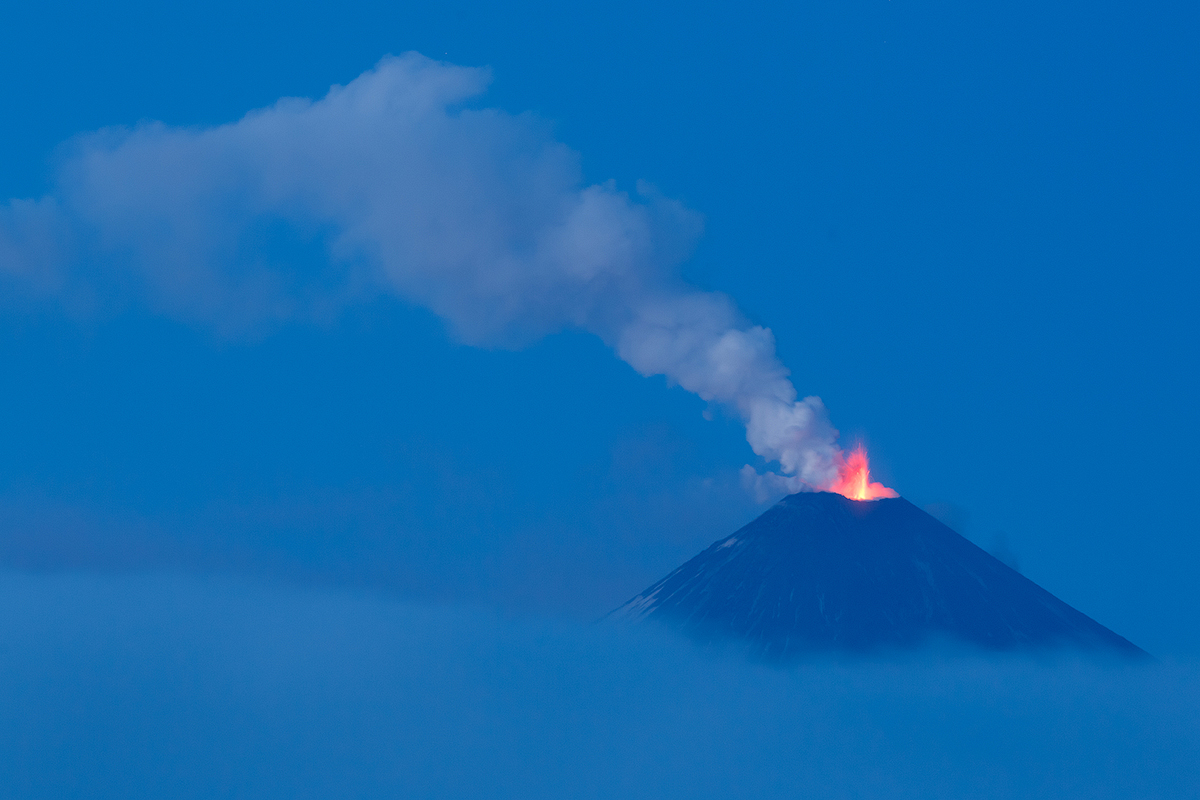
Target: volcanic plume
821 572
396 184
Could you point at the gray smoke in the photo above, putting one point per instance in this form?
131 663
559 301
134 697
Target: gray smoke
476 214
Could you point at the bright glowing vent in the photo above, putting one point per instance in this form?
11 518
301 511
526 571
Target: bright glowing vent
854 479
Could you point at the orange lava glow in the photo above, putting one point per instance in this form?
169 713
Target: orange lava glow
854 479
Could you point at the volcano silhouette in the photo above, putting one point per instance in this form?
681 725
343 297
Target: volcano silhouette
819 572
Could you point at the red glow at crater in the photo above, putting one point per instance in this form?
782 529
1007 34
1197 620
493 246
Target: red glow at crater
854 479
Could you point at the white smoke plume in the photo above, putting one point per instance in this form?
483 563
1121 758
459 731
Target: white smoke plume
477 214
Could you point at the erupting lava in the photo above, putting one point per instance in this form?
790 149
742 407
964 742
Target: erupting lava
854 479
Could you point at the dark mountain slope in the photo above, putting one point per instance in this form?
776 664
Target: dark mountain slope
820 572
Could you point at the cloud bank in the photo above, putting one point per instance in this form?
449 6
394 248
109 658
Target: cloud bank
394 185
167 687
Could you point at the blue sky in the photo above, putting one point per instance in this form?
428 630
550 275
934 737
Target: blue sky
972 232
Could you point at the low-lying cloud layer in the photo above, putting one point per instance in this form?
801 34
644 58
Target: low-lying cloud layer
155 687
392 185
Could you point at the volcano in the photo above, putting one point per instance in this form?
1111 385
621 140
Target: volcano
819 572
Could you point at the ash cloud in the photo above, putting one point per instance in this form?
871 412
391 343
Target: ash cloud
396 185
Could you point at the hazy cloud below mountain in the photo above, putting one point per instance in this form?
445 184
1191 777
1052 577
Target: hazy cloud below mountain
141 687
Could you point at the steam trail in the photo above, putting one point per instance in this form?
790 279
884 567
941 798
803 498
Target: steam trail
476 214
